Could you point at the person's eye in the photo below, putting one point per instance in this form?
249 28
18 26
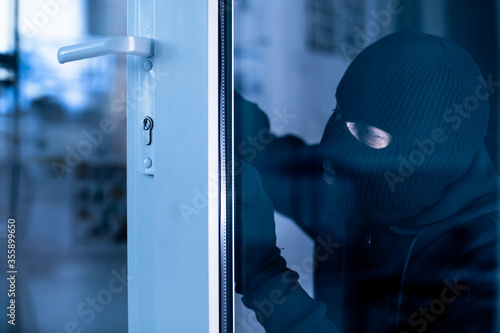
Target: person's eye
371 136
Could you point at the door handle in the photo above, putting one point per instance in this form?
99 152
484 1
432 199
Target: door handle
139 46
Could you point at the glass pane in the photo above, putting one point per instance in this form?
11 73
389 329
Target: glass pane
333 229
63 170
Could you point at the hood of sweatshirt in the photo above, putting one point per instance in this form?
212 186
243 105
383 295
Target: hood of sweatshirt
472 195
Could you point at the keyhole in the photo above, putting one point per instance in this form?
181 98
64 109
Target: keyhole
147 124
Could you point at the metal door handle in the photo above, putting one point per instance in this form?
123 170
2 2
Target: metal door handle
139 46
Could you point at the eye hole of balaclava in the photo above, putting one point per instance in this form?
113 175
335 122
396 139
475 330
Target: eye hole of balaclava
370 136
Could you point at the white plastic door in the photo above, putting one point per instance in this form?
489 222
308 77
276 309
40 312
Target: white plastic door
173 215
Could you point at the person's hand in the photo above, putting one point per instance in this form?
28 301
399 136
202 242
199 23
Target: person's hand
261 271
257 257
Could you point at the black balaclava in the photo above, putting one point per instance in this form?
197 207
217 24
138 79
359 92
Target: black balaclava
428 94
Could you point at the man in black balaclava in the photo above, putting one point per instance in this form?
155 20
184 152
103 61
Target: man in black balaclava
400 197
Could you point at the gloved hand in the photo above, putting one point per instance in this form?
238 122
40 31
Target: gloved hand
261 271
257 257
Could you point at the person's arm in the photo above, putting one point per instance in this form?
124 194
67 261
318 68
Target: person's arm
291 171
281 305
268 287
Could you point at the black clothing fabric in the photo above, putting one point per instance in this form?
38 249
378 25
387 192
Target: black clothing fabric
395 277
435 272
406 234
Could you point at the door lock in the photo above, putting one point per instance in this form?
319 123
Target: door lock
147 127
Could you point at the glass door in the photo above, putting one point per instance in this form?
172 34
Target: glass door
63 215
344 184
144 174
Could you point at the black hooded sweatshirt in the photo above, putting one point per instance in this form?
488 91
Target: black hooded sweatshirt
404 246
434 272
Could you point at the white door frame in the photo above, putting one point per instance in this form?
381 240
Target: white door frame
173 224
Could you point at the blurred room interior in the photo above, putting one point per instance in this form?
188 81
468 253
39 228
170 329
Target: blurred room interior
64 179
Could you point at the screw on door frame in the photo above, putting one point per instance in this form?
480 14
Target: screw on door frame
148 65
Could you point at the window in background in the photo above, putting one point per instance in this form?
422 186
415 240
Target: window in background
329 22
8 60
7 26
